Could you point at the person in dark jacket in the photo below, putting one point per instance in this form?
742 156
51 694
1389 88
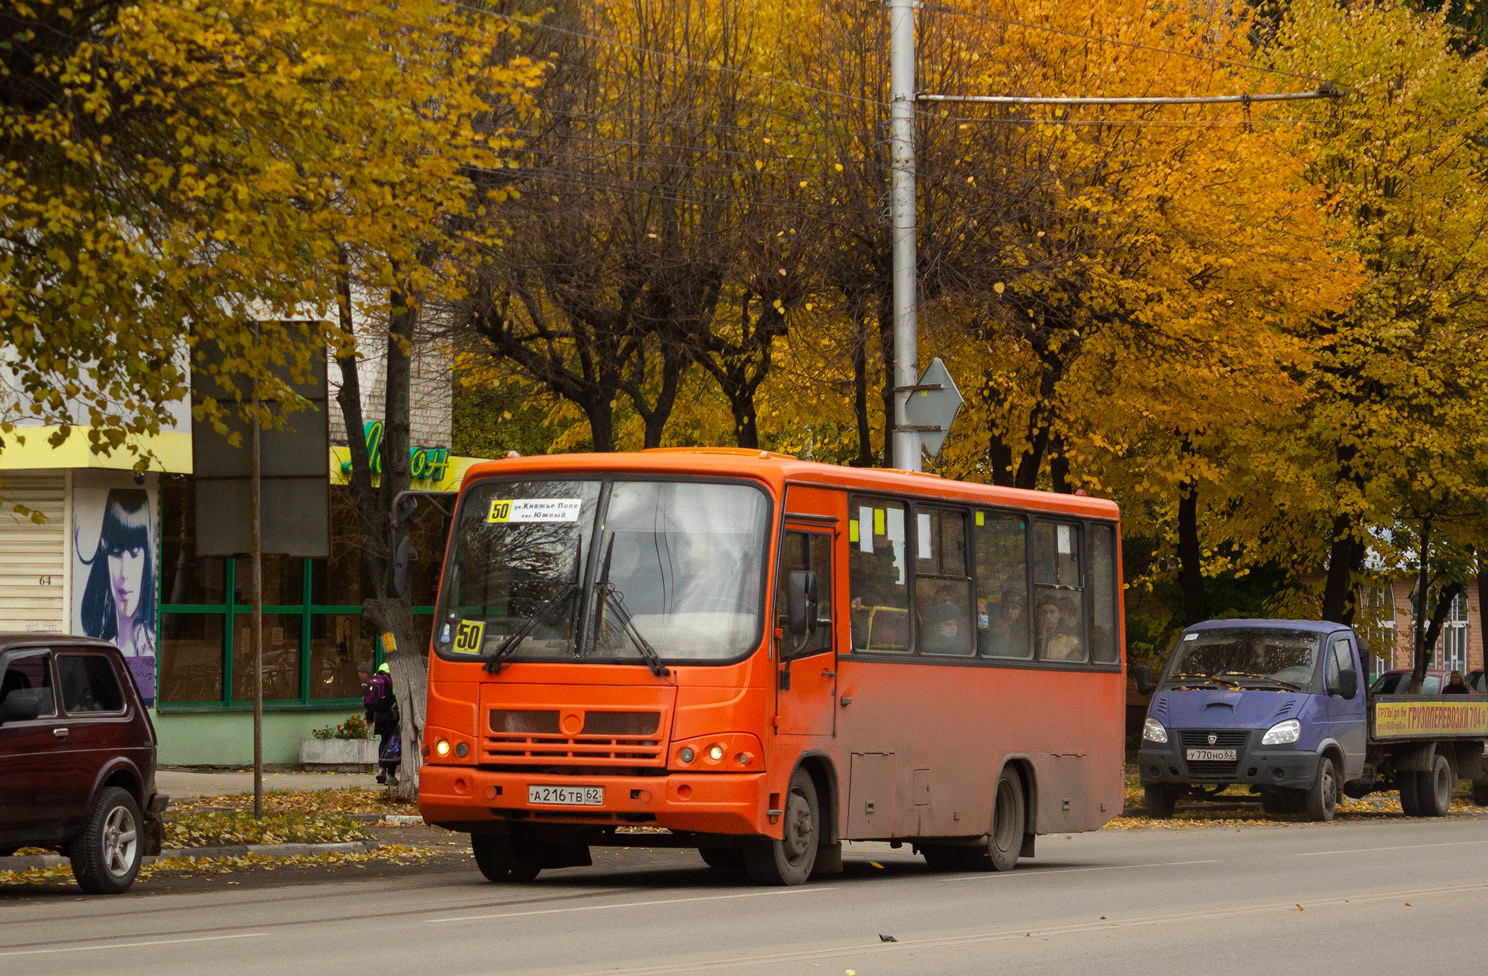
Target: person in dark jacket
382 714
1455 685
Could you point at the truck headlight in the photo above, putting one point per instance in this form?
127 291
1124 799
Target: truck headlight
1153 731
1282 732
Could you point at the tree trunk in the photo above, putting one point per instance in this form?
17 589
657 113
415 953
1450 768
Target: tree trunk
886 344
1338 598
1418 624
860 394
1190 554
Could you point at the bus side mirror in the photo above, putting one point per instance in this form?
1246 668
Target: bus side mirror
1348 683
801 603
1145 684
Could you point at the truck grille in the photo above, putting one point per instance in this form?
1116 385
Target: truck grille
1223 739
537 737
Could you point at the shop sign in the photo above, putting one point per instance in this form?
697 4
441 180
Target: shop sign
424 463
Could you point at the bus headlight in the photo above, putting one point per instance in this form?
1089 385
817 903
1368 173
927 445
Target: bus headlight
442 748
1153 731
715 752
685 755
1282 732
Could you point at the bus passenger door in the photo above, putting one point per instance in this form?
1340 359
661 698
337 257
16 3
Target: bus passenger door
806 676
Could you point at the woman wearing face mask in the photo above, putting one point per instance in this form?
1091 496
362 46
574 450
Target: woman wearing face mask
119 597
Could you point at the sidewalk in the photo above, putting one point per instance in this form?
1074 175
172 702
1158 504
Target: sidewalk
180 783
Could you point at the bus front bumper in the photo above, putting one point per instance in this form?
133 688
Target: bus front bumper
716 803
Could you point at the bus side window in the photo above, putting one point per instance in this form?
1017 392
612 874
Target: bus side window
942 590
808 551
1103 626
877 579
1058 596
1002 586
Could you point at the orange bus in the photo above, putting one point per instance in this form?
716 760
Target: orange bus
762 657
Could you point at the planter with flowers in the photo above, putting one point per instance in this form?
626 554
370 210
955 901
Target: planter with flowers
348 746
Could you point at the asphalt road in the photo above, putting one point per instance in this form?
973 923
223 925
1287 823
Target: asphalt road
1378 897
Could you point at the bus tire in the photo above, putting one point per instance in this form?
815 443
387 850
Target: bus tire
1158 802
1009 820
502 860
789 861
1480 791
730 859
944 857
1434 788
1322 799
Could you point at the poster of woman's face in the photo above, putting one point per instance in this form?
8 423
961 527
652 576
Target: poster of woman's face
114 567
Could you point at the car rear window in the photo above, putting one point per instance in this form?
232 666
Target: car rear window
88 684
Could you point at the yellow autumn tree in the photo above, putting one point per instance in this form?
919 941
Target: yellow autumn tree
1395 415
174 171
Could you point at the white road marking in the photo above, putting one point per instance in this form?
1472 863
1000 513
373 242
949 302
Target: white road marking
631 904
1041 873
860 949
130 945
1400 847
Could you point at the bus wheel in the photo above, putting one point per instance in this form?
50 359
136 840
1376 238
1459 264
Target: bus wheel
945 857
1480 791
729 859
1322 799
1158 802
1434 788
789 861
1009 816
500 859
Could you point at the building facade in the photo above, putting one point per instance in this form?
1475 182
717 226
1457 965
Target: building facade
99 549
1389 610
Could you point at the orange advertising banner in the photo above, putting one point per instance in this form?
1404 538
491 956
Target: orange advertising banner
1414 719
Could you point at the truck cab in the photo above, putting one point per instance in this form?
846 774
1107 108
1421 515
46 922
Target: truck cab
1276 705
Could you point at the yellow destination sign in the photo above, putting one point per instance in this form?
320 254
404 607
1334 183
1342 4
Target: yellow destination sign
1397 719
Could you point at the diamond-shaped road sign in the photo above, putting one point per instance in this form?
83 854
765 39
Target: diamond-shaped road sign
932 405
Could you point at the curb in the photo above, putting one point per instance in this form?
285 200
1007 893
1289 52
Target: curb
389 819
33 861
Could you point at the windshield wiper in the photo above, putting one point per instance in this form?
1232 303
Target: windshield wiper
1183 677
1252 676
615 601
509 643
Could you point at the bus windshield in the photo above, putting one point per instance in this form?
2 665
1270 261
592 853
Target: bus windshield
1280 660
675 570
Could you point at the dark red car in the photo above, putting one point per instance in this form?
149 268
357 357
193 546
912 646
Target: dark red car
77 758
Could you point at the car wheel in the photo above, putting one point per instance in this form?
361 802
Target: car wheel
1434 788
501 859
1322 799
789 861
106 853
1159 802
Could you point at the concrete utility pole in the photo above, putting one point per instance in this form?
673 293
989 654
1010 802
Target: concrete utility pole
906 442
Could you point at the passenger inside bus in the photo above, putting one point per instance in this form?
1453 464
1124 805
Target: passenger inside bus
1058 640
1007 631
946 627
